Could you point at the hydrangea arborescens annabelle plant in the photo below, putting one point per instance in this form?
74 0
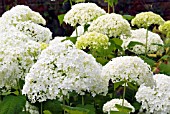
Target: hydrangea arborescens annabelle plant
112 25
146 19
138 35
21 13
83 13
111 105
165 28
60 69
129 69
18 54
93 41
155 100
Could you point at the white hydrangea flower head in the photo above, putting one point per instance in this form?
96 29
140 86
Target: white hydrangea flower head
79 32
34 31
30 108
61 69
165 28
112 25
155 100
146 19
139 35
21 13
83 13
130 69
93 41
17 56
110 105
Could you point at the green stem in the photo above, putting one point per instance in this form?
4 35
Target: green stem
76 32
113 8
41 108
19 88
108 8
146 44
71 3
82 98
64 103
124 91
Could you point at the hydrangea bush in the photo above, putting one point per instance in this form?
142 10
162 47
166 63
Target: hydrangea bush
70 74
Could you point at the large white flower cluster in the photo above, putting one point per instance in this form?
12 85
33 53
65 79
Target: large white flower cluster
112 25
139 35
61 69
22 18
17 56
21 13
130 69
110 105
34 31
93 41
83 13
146 19
155 100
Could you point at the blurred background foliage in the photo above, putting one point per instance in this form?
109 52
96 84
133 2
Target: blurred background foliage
50 9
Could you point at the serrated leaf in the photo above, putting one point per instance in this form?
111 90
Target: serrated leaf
133 43
165 68
157 44
148 60
123 108
54 106
117 84
117 112
72 39
12 104
75 110
128 17
46 112
61 18
89 107
130 85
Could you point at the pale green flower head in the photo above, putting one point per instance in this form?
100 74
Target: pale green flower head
93 41
77 1
112 25
165 28
146 19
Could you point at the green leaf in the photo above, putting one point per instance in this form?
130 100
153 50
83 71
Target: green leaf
89 107
131 85
117 84
128 17
118 112
123 108
47 112
12 104
75 110
165 68
61 18
54 106
6 93
157 44
72 39
133 43
116 43
148 60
